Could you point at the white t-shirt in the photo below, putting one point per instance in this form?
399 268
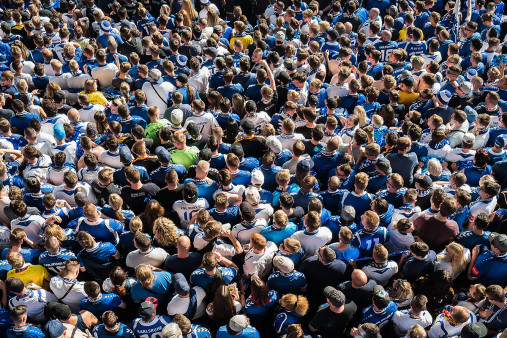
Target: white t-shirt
403 320
32 224
154 257
36 301
153 99
243 233
86 114
259 119
260 264
205 122
59 287
312 241
179 305
381 273
105 75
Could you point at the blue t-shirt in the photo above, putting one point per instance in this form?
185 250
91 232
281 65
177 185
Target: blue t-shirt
229 215
104 230
27 331
29 255
379 319
277 236
248 332
103 251
285 318
159 289
490 268
469 240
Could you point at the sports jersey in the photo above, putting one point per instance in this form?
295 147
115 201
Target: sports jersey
490 268
201 278
61 192
259 119
276 235
229 215
394 198
104 302
403 320
206 188
385 49
469 239
123 331
32 224
158 175
285 318
29 255
29 273
379 318
205 122
69 291
381 272
241 177
103 230
254 311
55 263
487 206
198 331
243 231
312 241
185 157
287 283
151 329
365 240
442 328
36 300
25 331
361 203
186 210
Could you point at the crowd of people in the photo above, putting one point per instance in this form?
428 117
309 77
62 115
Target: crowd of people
198 168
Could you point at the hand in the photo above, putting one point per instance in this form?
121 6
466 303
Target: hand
476 250
25 238
225 233
85 69
33 286
487 312
115 56
352 263
242 286
2 286
219 256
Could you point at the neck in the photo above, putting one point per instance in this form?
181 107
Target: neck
440 217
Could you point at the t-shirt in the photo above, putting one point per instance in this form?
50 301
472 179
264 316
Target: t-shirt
435 233
137 199
403 165
332 324
103 303
159 289
36 274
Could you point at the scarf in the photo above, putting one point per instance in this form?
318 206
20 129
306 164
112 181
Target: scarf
436 146
482 131
447 315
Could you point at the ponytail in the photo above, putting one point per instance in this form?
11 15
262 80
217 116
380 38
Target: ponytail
190 93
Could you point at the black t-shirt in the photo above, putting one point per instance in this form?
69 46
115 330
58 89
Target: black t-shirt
102 192
305 131
167 197
136 199
297 215
332 324
185 266
254 147
319 275
362 296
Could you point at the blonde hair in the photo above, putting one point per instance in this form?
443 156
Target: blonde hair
136 224
361 113
434 167
15 259
455 254
145 275
189 8
165 232
54 230
116 202
401 292
298 304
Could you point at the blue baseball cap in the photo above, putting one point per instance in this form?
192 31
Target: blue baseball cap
163 155
59 131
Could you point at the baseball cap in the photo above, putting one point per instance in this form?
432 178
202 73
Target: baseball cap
59 131
274 144
335 297
205 155
105 26
468 137
284 264
466 87
59 96
54 329
181 61
183 78
195 50
257 178
304 165
444 96
125 155
155 74
211 51
80 197
238 323
283 76
190 192
247 125
180 284
177 116
218 29
237 149
424 181
383 164
348 213
408 81
147 308
192 129
499 241
250 106
252 195
333 34
380 297
91 129
204 3
469 75
279 36
500 141
246 210
55 310
290 65
474 330
163 155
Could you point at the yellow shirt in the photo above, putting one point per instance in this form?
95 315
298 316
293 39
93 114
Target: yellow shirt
96 97
407 98
36 274
246 40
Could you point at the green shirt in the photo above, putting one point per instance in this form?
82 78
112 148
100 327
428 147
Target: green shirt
152 129
184 157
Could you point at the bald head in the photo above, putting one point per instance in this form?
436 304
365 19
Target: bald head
358 278
386 36
183 243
